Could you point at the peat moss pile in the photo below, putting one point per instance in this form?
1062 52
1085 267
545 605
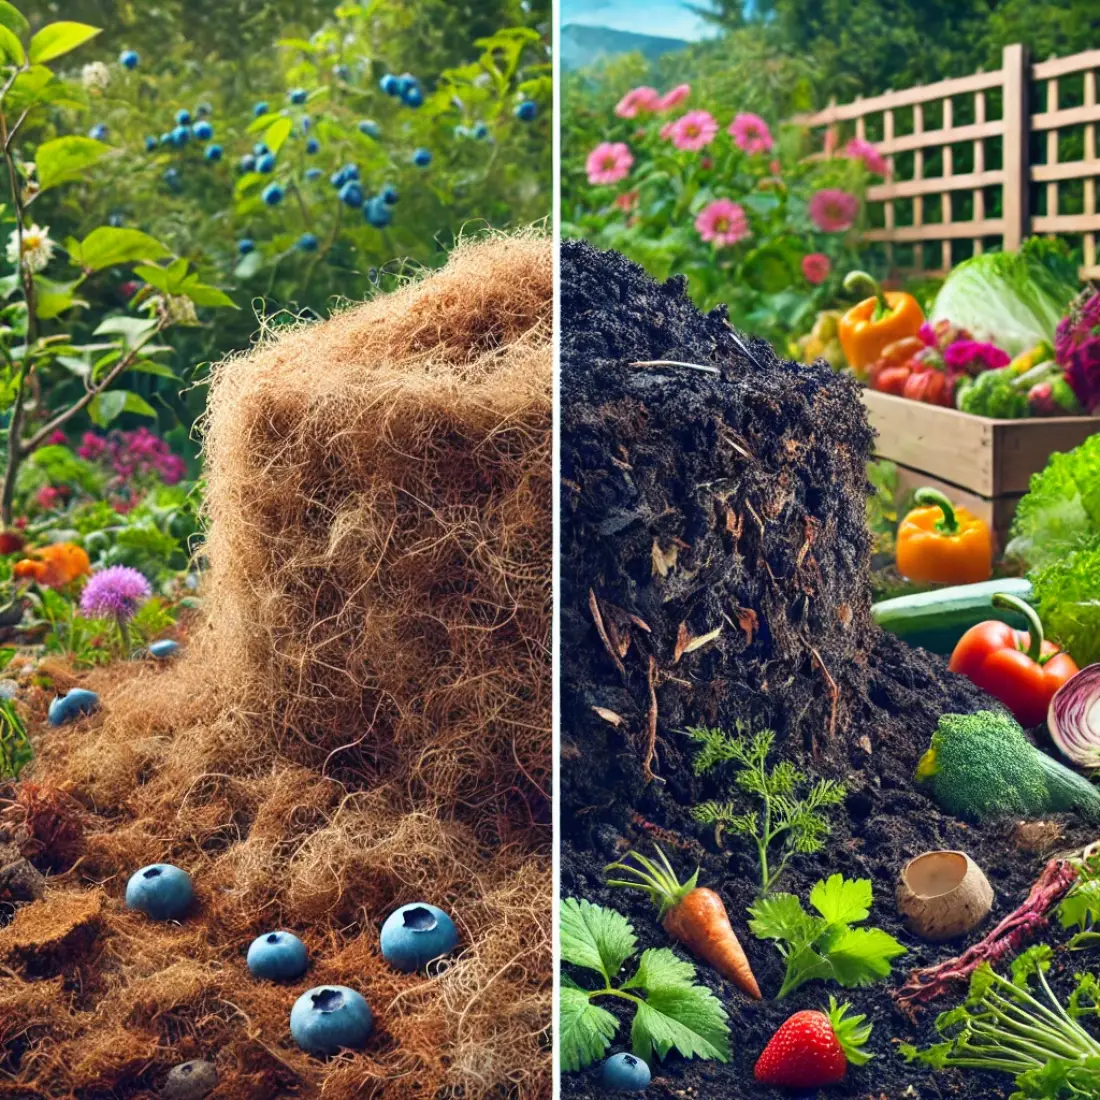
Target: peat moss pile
716 570
361 720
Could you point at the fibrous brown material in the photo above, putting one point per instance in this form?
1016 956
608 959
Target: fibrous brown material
361 719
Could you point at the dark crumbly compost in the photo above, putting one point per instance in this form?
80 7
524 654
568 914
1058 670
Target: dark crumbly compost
694 500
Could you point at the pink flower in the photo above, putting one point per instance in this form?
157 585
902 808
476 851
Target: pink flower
116 592
833 210
974 356
694 131
816 267
674 98
751 134
873 160
48 498
723 223
609 162
775 167
636 101
666 130
927 335
627 200
57 438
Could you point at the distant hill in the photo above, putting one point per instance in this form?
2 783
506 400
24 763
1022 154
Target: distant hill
581 45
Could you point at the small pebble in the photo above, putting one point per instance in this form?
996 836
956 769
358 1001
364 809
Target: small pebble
190 1081
164 649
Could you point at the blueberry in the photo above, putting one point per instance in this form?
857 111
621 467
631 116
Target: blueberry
422 158
266 164
277 956
313 146
272 194
405 83
260 108
150 144
166 647
314 174
166 139
247 163
183 117
203 131
204 110
298 95
192 1080
369 127
328 1017
160 891
351 172
307 242
244 246
377 213
413 96
260 149
351 194
415 934
98 132
213 153
71 705
527 110
388 194
624 1073
480 131
390 84
128 59
307 122
338 179
181 135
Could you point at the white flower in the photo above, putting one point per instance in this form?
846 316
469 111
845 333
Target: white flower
95 75
37 248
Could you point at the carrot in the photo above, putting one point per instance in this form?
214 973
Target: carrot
692 915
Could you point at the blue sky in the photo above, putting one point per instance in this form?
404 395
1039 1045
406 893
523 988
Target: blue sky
664 18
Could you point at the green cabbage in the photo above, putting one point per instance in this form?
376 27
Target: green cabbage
1012 299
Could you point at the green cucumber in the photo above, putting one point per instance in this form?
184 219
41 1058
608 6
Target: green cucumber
936 620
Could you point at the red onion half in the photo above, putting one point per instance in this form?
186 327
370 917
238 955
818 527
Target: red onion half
1074 718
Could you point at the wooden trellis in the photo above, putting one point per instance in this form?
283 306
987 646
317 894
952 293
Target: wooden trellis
998 185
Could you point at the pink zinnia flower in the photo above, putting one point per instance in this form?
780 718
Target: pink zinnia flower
609 162
833 210
974 356
873 160
723 223
674 98
636 101
48 497
751 134
627 200
694 131
58 438
666 130
816 267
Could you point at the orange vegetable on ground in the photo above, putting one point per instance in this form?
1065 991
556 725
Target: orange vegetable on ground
941 544
692 915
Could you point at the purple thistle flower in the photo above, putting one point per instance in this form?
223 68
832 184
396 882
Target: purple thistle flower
115 593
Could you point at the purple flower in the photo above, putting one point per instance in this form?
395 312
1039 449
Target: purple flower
974 357
1077 349
114 593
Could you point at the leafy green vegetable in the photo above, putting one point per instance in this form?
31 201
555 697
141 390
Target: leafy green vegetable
1004 1026
1067 597
795 823
995 393
1012 299
826 946
670 1010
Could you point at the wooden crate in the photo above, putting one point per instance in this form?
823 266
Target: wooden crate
985 464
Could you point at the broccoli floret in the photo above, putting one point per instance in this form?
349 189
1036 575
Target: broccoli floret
982 765
995 393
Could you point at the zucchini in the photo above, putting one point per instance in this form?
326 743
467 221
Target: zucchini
936 620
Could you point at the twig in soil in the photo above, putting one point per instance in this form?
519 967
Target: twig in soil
1021 925
597 618
651 742
675 363
834 693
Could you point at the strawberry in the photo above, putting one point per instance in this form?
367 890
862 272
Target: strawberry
812 1049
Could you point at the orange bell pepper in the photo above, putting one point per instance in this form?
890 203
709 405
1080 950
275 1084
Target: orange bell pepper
870 325
941 544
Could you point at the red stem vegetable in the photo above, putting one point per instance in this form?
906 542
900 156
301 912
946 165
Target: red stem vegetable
1015 666
692 915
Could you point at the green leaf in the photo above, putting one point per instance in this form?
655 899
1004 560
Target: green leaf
805 964
841 900
277 133
105 247
56 39
690 1020
147 366
781 917
661 968
12 18
11 49
133 330
203 295
594 937
860 956
249 266
108 407
585 1030
66 158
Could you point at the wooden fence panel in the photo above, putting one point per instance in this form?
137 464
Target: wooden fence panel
919 211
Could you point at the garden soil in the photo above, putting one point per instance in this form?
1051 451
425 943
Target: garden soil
729 495
361 719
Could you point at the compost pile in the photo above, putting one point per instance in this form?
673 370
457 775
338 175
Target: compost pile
716 568
361 720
